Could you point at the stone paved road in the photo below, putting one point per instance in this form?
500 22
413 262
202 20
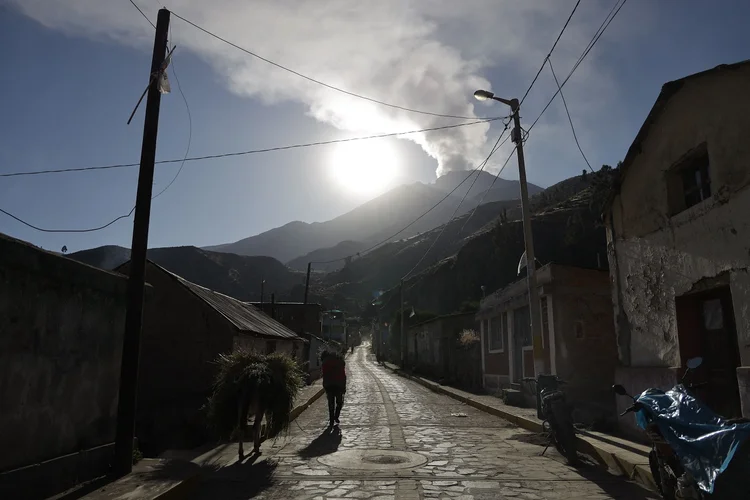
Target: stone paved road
400 441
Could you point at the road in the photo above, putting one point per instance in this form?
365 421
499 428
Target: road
399 441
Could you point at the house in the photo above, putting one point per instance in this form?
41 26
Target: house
61 329
334 326
578 337
678 230
185 328
434 348
305 319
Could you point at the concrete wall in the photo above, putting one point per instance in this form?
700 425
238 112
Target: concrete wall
61 328
585 343
654 256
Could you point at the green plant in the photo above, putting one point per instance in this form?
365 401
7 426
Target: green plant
250 378
137 455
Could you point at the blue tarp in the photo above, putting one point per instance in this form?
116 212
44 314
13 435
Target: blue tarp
704 442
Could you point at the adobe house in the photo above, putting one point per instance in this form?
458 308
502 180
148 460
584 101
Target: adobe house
678 236
578 338
185 328
61 329
433 348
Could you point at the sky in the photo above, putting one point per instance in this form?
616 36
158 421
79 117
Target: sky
74 70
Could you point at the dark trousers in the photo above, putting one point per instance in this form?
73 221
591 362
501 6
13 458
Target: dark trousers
335 402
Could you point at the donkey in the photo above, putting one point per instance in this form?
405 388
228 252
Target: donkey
249 404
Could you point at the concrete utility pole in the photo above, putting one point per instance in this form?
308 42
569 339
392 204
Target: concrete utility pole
123 460
307 280
535 313
262 286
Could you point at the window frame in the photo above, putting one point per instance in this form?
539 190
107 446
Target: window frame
503 320
695 162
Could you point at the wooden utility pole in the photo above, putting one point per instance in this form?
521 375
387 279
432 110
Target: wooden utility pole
123 460
307 280
403 333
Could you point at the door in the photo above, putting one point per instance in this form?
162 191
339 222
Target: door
705 325
521 339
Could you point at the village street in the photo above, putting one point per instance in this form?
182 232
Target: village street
398 440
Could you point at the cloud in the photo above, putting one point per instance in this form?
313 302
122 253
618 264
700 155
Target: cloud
428 55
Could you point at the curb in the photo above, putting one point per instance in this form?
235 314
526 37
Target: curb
182 488
626 462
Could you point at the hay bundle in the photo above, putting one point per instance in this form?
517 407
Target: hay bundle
247 379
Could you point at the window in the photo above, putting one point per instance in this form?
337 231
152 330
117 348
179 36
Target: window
497 332
579 331
545 321
689 181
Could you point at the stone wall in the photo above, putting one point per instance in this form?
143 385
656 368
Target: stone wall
61 329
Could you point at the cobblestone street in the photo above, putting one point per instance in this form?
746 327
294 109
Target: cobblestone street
398 440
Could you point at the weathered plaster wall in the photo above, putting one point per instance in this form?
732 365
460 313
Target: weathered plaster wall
655 257
61 328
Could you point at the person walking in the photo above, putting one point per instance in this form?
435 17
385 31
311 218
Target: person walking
334 383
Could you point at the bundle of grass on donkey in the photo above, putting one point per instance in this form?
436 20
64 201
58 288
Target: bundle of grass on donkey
247 380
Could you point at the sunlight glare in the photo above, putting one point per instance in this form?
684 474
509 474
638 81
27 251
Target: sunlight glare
365 168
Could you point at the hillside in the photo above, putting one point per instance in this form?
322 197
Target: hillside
373 221
502 189
566 230
230 274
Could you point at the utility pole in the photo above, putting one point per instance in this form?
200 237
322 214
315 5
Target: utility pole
403 333
307 280
262 285
126 407
535 311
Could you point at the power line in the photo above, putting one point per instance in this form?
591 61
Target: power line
144 15
90 230
442 230
570 120
481 200
550 51
386 240
605 24
249 152
327 85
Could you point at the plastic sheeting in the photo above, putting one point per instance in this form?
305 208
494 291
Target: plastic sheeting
704 442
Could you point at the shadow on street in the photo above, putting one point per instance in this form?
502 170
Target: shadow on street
242 480
328 442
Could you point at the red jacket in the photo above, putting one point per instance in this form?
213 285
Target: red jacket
334 373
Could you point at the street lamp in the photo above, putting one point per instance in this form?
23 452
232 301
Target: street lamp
534 305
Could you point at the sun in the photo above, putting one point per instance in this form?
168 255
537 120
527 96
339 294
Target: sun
364 168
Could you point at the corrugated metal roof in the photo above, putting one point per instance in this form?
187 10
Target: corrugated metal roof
243 315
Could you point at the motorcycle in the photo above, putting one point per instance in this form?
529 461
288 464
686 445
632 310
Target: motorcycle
695 453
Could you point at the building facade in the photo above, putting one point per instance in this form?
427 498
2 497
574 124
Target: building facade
678 232
578 338
334 326
185 328
61 329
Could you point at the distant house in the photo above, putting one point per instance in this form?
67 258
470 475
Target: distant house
185 328
578 337
306 320
61 331
678 231
334 326
433 348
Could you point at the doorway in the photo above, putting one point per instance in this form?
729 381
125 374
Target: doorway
521 339
706 328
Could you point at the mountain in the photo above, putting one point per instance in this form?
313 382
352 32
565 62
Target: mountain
233 275
446 266
374 220
478 183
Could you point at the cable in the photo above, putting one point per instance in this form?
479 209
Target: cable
605 24
550 52
442 230
329 86
67 230
481 200
252 151
562 96
386 240
144 15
